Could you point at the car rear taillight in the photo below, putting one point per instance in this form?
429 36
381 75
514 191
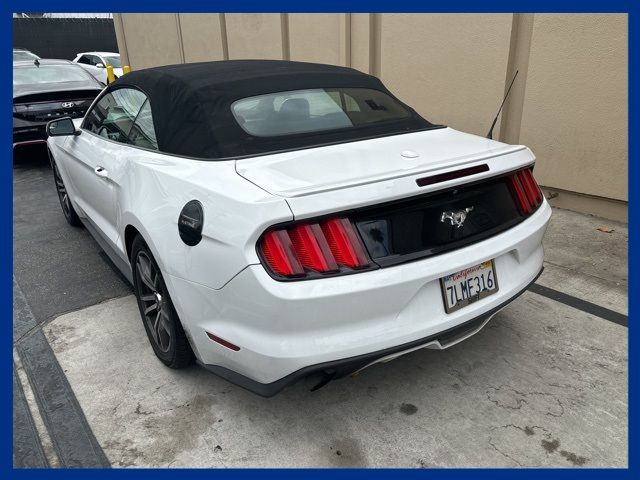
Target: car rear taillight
525 191
279 254
344 243
305 249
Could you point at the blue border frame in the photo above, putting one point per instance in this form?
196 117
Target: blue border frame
632 7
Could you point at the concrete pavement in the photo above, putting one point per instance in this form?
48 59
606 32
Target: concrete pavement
542 385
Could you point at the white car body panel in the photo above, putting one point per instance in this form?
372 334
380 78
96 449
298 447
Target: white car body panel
170 182
335 167
288 325
220 286
98 73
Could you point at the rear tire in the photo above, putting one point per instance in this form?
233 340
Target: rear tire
159 317
63 196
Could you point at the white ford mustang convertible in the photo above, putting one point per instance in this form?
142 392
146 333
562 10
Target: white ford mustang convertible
283 220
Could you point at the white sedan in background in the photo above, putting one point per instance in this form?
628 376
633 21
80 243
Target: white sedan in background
284 220
96 64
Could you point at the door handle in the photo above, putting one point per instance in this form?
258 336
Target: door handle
101 172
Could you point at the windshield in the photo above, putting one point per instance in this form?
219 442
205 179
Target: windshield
113 61
23 55
49 74
315 110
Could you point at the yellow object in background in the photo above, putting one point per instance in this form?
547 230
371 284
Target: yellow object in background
110 76
126 69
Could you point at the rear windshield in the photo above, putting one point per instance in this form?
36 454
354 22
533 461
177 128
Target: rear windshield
315 110
23 55
49 74
113 61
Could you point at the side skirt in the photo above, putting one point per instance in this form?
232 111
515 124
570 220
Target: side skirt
123 267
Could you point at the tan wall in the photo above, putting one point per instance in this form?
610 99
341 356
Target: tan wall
450 68
149 40
575 105
254 35
569 103
202 37
318 38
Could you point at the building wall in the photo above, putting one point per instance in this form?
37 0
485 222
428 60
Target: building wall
449 77
255 35
319 38
569 101
575 104
202 36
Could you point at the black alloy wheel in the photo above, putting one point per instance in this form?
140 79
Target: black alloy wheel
159 317
153 299
65 202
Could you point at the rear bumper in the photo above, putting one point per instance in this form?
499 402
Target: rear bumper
288 330
322 373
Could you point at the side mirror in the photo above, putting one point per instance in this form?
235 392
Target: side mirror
61 127
100 65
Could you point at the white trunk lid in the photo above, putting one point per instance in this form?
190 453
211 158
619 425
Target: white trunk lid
348 175
314 170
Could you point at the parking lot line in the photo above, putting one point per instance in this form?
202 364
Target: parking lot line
580 304
605 293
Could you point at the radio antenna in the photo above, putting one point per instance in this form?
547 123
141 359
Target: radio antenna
490 134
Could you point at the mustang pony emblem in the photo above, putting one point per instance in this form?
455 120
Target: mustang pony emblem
456 218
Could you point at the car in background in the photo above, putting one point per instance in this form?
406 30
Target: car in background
44 90
285 220
23 54
96 64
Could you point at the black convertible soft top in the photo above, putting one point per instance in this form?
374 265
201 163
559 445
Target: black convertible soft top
191 105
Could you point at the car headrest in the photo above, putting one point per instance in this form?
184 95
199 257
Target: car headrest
295 107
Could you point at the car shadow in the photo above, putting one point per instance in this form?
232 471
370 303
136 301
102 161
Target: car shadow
28 156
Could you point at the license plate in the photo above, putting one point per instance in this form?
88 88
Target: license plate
469 285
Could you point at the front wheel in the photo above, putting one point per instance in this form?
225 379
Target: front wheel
65 202
159 316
